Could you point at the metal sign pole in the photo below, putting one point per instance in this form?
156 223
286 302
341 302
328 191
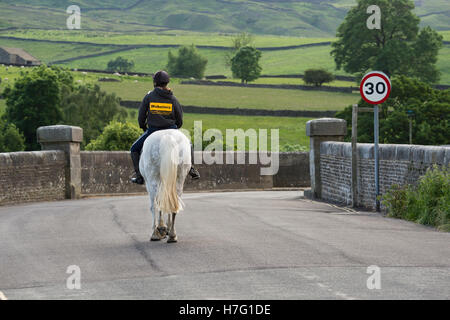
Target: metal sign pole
376 137
355 156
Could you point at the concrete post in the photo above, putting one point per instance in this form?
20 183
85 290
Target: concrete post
67 139
320 130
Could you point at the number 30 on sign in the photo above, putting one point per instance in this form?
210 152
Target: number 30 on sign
375 87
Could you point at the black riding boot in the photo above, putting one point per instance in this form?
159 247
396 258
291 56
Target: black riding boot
195 175
139 179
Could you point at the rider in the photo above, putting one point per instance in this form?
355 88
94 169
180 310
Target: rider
158 111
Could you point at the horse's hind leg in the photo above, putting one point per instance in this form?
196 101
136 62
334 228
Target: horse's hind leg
162 228
156 235
172 233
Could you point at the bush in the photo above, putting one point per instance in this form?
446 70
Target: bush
120 65
11 140
427 203
90 108
35 100
293 148
117 136
318 77
188 63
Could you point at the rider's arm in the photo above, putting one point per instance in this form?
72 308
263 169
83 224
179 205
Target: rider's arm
178 114
142 118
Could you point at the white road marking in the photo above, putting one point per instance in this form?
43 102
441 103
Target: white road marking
314 278
344 296
2 296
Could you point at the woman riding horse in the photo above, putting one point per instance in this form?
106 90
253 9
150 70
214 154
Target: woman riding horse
159 110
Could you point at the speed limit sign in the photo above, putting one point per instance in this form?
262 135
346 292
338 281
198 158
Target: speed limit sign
375 87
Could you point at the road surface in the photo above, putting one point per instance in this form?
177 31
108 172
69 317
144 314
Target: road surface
236 245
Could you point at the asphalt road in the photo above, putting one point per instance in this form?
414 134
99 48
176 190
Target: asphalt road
237 245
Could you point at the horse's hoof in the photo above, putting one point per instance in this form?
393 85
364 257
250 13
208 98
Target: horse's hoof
172 239
163 232
155 238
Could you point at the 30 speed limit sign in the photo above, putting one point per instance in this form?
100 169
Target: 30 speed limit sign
375 87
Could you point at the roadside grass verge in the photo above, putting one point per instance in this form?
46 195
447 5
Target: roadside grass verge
427 203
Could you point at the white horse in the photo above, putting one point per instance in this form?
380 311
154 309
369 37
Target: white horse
165 162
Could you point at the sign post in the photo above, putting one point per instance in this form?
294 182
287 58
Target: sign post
355 156
375 89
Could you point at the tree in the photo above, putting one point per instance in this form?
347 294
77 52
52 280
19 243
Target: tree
117 136
240 40
188 63
90 108
396 48
431 121
245 64
35 100
11 140
120 65
317 77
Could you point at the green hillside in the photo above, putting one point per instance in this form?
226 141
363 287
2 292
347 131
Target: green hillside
308 18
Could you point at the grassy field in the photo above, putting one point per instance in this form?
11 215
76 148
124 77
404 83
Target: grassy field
212 96
301 19
293 81
310 18
445 34
272 62
151 59
48 52
443 65
292 131
235 97
164 37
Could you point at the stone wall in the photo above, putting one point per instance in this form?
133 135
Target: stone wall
110 172
269 86
398 164
244 111
32 176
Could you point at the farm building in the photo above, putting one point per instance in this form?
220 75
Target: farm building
17 56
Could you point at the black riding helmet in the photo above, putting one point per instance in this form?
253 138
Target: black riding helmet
161 78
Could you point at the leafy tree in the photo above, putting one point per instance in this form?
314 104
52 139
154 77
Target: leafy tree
317 77
116 136
245 64
120 65
188 63
431 123
396 48
35 100
11 139
90 108
238 41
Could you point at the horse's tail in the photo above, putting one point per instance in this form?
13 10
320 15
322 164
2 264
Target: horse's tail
167 200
